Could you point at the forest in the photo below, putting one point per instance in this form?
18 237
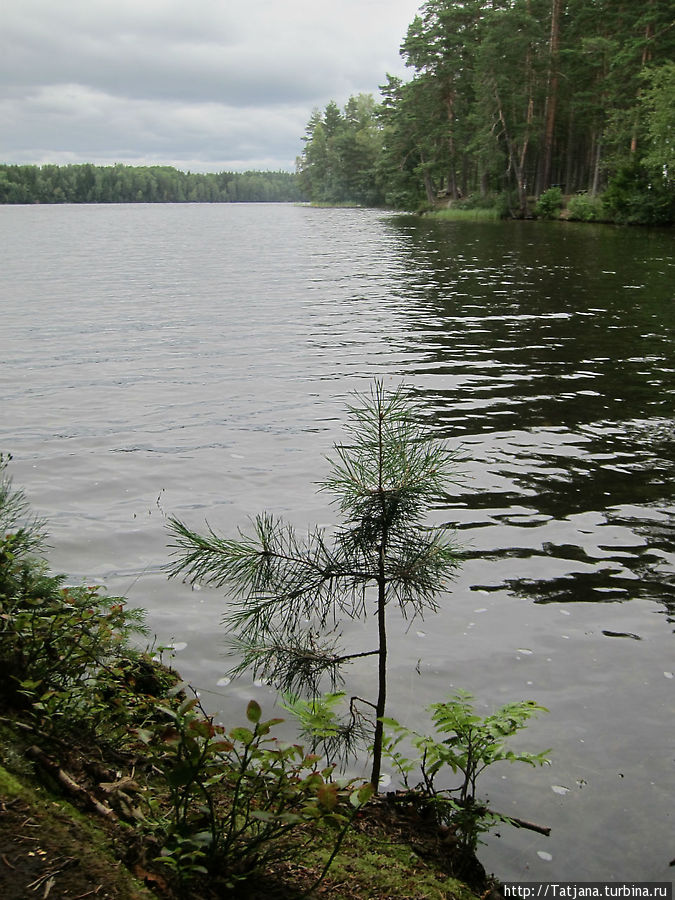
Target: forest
88 183
509 100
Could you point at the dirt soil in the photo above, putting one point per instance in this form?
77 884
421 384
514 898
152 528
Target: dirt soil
44 853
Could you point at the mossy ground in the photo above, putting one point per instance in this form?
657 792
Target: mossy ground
50 849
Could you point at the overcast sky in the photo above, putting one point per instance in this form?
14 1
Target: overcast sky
205 85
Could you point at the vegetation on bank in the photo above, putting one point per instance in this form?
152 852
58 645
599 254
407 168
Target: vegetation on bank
288 595
630 199
506 101
115 783
195 808
87 183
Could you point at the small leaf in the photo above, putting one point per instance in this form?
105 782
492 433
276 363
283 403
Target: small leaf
327 795
390 723
144 735
270 723
263 815
311 812
292 818
361 796
187 705
253 711
243 735
171 736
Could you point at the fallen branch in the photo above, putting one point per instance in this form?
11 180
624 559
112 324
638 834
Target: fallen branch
522 823
69 783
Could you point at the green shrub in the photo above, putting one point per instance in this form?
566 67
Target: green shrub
476 201
229 802
549 204
582 208
505 204
635 197
239 799
55 639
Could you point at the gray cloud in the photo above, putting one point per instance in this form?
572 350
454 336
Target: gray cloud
208 85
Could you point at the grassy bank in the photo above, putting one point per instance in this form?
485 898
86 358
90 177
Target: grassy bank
455 214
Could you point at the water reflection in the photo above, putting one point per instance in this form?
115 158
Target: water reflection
548 363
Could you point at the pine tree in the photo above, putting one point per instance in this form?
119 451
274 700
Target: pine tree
287 593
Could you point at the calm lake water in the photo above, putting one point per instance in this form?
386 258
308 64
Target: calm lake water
195 360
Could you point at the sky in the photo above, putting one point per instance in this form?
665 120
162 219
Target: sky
202 85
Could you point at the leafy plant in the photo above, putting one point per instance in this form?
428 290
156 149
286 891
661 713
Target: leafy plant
17 523
549 204
54 639
231 801
584 208
320 724
240 799
466 744
286 590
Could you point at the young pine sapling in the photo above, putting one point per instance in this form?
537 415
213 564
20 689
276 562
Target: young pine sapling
287 591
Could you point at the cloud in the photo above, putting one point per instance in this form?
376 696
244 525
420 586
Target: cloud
208 85
76 123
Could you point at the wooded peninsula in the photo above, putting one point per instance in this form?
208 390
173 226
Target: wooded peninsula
508 100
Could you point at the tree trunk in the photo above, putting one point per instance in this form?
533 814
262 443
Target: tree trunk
570 185
452 174
484 183
595 184
428 184
381 620
551 96
381 675
520 170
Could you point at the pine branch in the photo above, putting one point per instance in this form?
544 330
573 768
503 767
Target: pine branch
295 663
270 573
391 457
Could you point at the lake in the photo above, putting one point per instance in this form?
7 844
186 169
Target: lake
195 360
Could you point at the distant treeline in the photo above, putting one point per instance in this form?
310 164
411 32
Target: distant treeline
87 183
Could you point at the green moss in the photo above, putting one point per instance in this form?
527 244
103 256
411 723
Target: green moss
378 868
10 786
40 833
